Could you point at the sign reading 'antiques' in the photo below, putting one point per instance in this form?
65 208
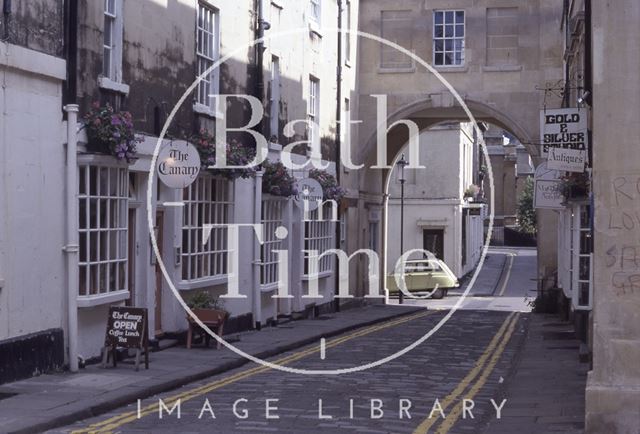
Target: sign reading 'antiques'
570 160
563 128
126 328
178 164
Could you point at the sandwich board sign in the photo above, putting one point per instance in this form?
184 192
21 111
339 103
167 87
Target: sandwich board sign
126 328
547 191
564 128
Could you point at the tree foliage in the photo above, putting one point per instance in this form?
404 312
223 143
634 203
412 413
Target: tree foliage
526 211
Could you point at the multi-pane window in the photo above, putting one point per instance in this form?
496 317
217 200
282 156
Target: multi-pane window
347 36
396 27
582 257
103 207
109 39
272 214
315 10
207 54
448 38
318 236
274 109
313 108
207 202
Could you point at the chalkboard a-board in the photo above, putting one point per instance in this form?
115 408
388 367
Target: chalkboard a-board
127 328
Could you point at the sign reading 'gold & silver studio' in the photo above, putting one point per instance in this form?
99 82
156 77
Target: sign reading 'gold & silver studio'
563 128
178 164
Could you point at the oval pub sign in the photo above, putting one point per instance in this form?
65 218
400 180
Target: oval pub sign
178 164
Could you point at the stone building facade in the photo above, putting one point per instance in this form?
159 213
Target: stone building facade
496 54
142 57
613 388
439 213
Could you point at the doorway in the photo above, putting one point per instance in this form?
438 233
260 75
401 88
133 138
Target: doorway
159 230
433 241
131 252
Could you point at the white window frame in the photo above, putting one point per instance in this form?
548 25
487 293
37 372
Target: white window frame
313 111
577 280
207 53
319 235
103 198
208 201
274 108
315 11
112 49
273 213
347 36
453 39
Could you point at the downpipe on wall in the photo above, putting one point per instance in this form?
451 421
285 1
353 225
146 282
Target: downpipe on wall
71 247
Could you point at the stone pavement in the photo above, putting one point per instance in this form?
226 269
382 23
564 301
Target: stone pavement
47 401
546 390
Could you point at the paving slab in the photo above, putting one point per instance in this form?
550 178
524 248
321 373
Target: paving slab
546 391
53 400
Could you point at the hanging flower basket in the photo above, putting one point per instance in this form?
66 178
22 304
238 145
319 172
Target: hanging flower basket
575 185
238 154
277 181
330 188
110 132
471 192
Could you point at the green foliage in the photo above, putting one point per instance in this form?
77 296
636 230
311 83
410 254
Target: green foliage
204 300
526 211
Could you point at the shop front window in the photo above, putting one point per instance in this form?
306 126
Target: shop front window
103 205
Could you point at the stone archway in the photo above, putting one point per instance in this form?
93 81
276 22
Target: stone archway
374 183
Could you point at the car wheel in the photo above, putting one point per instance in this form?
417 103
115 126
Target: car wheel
438 294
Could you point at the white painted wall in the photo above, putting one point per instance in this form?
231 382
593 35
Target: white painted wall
32 209
434 198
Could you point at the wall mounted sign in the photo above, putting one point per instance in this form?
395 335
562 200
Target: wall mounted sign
178 164
567 159
309 190
547 191
127 328
563 128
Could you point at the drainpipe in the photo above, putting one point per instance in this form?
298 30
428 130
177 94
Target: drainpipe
71 50
71 247
257 214
336 302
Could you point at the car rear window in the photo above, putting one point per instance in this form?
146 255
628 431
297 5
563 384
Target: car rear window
421 267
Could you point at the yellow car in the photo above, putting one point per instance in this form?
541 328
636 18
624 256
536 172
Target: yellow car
423 275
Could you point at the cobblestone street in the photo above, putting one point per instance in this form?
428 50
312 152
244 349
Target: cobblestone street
476 356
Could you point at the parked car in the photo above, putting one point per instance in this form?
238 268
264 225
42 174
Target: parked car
423 275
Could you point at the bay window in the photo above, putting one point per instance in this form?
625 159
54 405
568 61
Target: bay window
206 202
102 222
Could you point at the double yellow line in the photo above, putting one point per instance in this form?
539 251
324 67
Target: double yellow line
112 423
484 367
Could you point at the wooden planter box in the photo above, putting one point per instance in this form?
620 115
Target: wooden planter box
212 318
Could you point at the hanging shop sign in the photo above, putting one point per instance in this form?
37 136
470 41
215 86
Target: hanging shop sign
310 191
178 164
547 188
567 159
564 128
126 328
